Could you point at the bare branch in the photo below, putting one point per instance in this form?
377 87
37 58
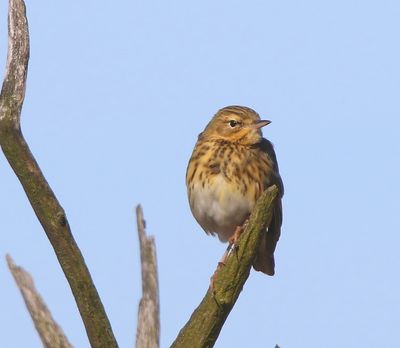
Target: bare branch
13 89
148 329
45 204
50 333
205 324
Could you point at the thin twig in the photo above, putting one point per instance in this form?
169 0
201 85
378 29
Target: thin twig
50 333
45 204
206 322
148 329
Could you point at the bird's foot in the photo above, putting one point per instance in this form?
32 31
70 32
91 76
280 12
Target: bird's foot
220 265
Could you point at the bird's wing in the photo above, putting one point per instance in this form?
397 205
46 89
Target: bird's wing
267 147
264 261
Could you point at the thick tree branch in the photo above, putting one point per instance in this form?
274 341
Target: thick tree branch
205 324
48 210
50 333
148 329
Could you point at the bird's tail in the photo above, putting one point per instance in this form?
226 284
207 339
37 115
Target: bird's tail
264 261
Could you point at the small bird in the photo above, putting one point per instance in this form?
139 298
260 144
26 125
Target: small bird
231 165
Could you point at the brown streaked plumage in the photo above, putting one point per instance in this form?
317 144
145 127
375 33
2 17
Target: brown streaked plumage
231 165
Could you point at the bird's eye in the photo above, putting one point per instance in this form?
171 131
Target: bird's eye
233 123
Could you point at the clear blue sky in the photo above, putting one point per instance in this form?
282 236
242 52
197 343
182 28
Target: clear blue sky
117 93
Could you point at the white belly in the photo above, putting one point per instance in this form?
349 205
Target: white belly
218 208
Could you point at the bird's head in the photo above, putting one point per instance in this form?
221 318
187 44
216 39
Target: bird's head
238 124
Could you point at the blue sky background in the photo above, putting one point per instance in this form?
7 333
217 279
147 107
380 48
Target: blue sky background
117 93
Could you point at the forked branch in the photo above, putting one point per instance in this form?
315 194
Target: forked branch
206 322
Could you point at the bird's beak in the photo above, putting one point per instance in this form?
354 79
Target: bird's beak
261 123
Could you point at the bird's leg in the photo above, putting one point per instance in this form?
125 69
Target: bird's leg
236 235
221 264
231 246
225 256
238 232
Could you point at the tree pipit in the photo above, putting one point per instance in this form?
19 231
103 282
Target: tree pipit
231 165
